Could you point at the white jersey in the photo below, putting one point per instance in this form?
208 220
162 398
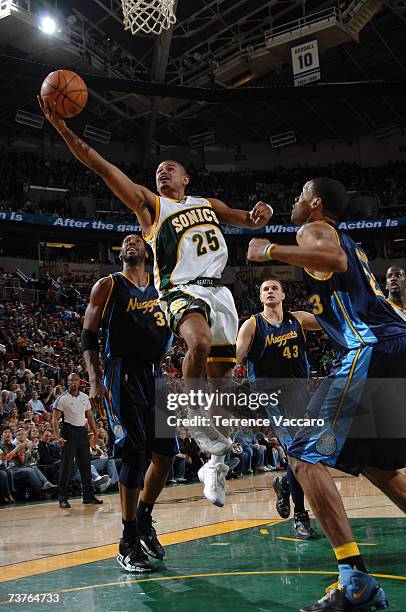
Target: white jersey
399 310
187 242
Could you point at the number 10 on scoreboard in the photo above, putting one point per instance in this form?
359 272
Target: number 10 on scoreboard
305 63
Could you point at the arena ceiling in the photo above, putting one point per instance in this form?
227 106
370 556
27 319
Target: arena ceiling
209 36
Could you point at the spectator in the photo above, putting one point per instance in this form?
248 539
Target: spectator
13 419
6 481
19 458
35 404
101 461
6 403
20 402
247 439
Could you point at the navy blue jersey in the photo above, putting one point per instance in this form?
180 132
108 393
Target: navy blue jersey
277 350
350 306
133 323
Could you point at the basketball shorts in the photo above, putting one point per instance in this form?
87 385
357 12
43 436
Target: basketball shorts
362 406
217 305
133 388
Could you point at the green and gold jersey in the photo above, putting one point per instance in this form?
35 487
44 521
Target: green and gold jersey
187 242
398 309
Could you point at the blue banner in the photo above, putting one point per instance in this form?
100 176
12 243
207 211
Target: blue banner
128 228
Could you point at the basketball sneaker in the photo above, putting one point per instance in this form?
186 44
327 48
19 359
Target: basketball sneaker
355 592
148 538
281 488
208 437
303 529
132 558
214 479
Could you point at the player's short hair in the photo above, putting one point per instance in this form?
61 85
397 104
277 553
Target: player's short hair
271 277
403 271
130 236
178 163
333 195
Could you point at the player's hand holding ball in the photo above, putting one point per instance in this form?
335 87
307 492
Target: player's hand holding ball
49 109
256 249
261 213
63 95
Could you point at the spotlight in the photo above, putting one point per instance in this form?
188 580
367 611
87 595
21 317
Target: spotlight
48 25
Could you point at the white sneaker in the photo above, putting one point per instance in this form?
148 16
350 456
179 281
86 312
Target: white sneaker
102 483
214 479
208 437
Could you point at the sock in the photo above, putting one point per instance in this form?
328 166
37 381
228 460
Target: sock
144 510
129 530
296 491
214 460
348 554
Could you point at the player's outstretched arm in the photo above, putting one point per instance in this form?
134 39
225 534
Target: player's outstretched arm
254 219
244 339
90 341
307 320
136 197
318 250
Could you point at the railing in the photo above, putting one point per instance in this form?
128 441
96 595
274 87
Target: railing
47 367
331 14
28 296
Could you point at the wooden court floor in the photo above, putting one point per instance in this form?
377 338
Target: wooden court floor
240 557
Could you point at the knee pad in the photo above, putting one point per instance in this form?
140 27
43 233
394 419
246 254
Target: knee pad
132 474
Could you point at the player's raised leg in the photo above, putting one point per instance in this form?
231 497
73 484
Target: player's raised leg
195 330
213 473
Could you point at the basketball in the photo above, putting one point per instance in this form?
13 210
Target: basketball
68 90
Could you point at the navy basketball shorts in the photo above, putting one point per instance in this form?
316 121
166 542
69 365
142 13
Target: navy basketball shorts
362 406
132 386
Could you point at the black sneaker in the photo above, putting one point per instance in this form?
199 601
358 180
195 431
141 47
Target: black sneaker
149 540
63 503
132 558
303 529
92 500
281 488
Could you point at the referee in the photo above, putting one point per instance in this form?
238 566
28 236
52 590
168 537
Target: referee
73 407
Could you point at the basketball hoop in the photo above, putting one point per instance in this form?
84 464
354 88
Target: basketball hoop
150 17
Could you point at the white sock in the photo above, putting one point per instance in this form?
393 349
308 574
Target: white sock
214 460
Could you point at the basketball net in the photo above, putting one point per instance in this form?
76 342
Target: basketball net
150 17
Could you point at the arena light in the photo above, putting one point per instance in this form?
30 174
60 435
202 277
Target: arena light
48 25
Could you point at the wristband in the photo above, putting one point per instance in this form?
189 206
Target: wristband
89 340
268 250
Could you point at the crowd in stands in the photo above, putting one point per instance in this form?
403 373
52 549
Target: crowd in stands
40 340
242 188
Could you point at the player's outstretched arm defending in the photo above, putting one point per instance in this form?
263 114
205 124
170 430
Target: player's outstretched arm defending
137 197
318 250
255 218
